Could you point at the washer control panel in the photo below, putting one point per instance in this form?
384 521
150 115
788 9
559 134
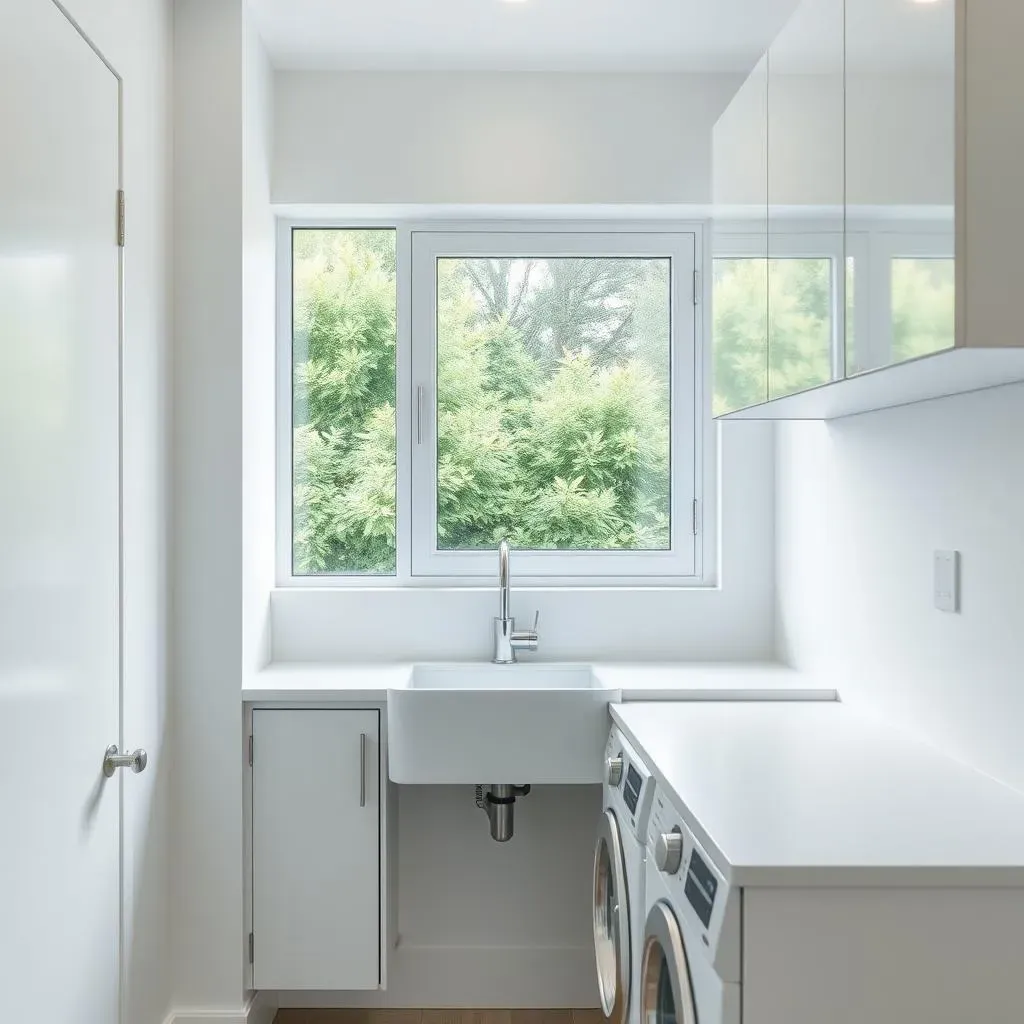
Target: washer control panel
699 892
630 784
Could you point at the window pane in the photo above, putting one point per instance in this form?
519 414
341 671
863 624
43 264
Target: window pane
923 306
553 403
799 324
740 332
344 332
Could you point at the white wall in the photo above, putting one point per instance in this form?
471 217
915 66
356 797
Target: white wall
208 493
134 35
477 137
259 340
862 505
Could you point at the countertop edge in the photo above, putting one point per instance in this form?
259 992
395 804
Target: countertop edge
312 682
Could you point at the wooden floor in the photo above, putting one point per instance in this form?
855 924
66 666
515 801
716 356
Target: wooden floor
439 1017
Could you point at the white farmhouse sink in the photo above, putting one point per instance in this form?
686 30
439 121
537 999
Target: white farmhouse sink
482 723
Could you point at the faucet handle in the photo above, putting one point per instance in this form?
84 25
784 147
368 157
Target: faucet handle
527 639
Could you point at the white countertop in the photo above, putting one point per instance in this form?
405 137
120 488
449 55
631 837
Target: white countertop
812 794
312 682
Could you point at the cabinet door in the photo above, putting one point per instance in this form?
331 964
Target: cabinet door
806 268
901 98
316 849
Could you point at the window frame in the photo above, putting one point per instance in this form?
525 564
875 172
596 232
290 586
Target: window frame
680 560
613 574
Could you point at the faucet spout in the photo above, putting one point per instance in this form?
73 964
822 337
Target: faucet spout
503 583
507 639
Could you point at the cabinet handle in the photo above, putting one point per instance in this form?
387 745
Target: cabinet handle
362 769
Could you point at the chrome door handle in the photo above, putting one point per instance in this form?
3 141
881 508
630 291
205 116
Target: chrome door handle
362 769
112 760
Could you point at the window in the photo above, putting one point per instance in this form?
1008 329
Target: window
344 308
550 395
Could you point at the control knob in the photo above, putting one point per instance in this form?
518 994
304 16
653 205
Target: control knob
668 851
613 770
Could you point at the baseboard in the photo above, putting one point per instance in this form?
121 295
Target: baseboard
526 978
261 1009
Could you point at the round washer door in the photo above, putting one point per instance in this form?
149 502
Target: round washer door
611 920
666 995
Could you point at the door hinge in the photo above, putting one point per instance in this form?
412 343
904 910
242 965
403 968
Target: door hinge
696 287
695 515
252 948
120 218
250 750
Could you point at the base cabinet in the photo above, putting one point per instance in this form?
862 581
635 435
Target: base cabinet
316 849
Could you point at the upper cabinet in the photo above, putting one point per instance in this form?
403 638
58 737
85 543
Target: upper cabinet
883 137
805 200
900 180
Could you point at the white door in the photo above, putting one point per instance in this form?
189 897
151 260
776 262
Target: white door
59 521
316 849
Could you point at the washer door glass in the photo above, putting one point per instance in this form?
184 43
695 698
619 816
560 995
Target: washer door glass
666 995
611 920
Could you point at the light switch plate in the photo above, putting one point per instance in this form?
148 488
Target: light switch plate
947 581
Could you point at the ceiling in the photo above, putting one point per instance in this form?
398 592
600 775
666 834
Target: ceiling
549 35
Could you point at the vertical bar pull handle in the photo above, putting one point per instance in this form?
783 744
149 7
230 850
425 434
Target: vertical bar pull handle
362 769
419 414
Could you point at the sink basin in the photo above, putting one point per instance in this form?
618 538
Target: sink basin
483 723
502 677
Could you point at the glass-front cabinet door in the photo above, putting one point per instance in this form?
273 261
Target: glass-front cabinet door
806 281
834 182
900 170
739 327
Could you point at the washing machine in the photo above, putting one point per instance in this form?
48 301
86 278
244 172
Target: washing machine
619 879
690 959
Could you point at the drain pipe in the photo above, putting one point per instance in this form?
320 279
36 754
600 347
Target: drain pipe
499 803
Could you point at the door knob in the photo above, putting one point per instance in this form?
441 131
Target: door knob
112 760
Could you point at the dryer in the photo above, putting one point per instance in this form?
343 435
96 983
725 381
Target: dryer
619 856
690 960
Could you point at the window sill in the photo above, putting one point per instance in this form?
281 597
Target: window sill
443 585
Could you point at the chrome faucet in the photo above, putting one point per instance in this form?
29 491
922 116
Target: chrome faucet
506 639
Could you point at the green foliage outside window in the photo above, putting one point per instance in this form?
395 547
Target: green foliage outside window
553 403
344 328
